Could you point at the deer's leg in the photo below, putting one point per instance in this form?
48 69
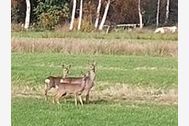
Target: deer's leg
88 91
60 94
75 99
80 99
87 96
47 88
65 100
56 97
53 101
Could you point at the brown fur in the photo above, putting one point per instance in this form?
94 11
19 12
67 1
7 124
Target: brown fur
75 87
90 81
72 85
52 81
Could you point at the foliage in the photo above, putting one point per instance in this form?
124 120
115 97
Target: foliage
46 14
17 11
50 13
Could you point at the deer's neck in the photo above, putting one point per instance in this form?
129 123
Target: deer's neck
83 84
64 76
92 75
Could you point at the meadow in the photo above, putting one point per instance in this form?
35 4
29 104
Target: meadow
37 112
133 87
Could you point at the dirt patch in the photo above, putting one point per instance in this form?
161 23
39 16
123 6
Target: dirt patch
113 93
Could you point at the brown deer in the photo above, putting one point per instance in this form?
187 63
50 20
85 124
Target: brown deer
73 83
52 81
90 81
71 86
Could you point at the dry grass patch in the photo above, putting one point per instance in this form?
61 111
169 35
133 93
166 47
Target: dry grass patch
95 46
142 94
113 93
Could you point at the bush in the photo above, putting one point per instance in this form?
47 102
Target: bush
17 27
50 13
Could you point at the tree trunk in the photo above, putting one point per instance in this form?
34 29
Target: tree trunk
27 19
140 15
73 15
157 14
167 12
98 13
104 16
80 14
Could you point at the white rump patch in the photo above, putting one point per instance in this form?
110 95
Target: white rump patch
47 81
61 80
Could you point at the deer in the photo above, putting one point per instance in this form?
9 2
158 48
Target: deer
52 81
90 81
74 86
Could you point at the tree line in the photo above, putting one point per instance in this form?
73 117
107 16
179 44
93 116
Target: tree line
47 14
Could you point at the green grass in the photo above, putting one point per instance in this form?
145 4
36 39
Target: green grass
97 35
37 112
159 72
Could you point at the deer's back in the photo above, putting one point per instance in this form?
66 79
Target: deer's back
72 80
53 81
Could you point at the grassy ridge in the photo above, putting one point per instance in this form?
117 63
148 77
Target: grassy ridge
32 68
37 112
149 35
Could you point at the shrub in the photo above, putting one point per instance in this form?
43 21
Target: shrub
50 13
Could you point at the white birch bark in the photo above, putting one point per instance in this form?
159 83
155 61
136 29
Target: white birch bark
140 15
98 13
73 15
167 12
27 18
105 15
80 14
157 13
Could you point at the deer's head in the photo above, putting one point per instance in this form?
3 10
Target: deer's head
66 70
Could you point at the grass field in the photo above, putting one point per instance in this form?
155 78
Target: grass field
147 35
134 88
32 68
37 112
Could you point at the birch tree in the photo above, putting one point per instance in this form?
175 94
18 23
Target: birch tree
157 13
139 13
27 18
167 12
105 15
73 15
80 14
98 13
